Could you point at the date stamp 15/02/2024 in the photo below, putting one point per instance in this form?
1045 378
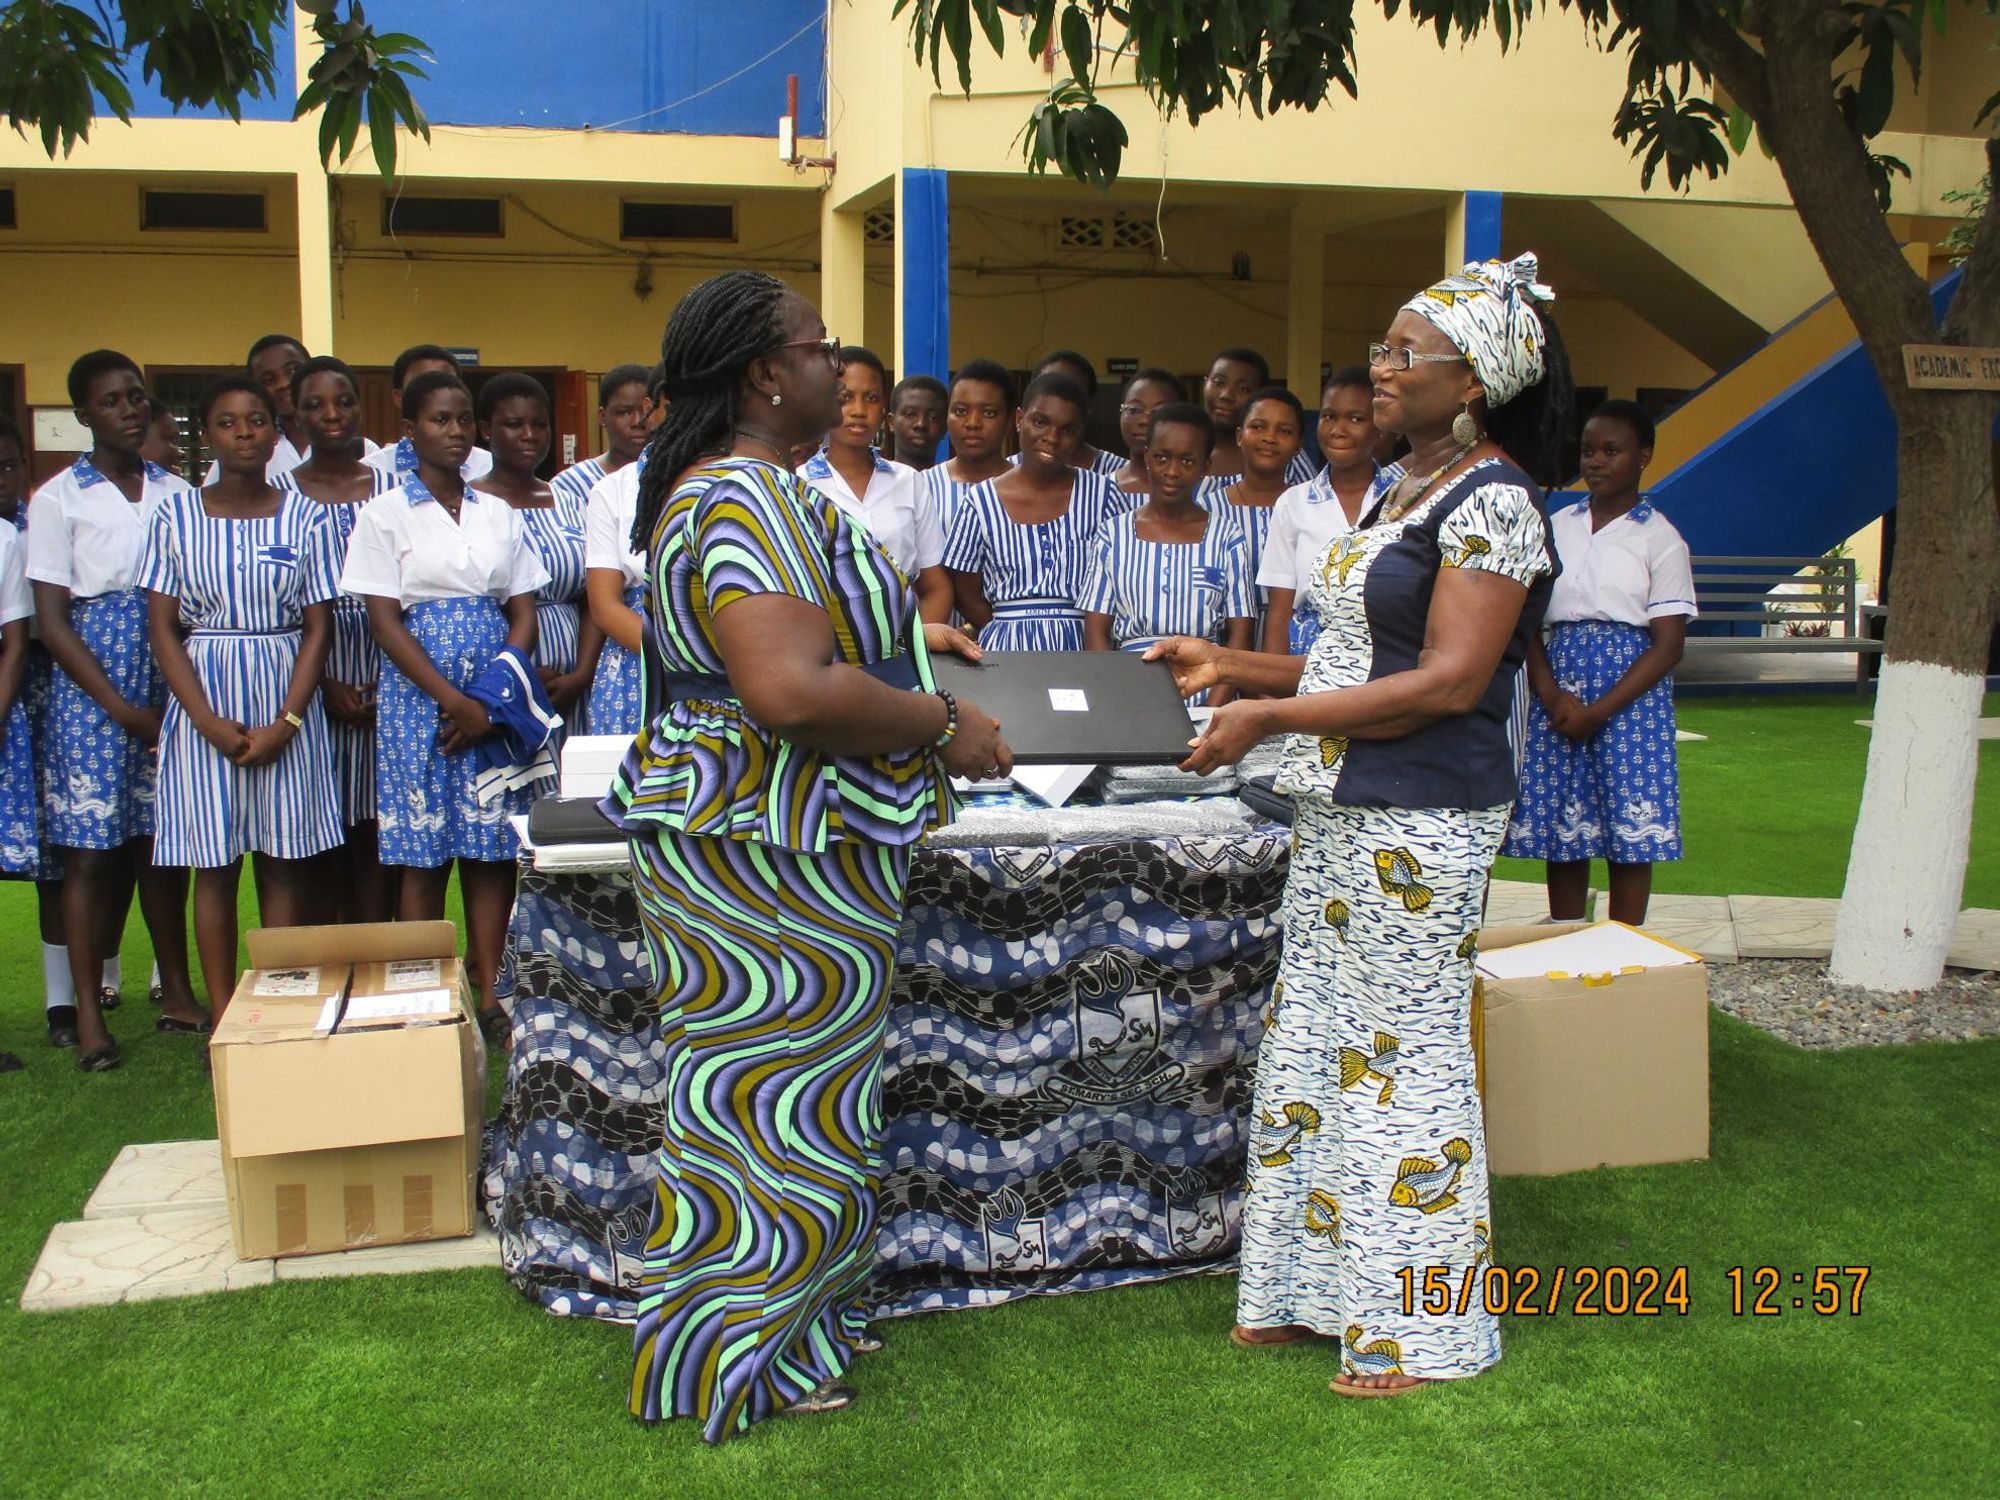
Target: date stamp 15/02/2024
1625 1291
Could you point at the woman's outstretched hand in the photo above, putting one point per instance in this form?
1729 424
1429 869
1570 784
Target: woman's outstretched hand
1230 733
1195 663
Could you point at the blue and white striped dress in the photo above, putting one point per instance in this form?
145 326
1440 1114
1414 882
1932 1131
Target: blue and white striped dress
1033 574
1254 521
577 479
555 535
354 659
243 587
1157 589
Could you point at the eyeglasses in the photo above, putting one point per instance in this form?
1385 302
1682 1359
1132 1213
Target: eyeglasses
829 346
1139 408
1382 357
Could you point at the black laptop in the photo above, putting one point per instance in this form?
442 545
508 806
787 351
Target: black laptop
1075 707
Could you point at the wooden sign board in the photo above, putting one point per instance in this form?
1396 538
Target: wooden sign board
1951 367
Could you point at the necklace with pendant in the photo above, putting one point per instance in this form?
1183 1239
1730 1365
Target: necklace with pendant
1406 492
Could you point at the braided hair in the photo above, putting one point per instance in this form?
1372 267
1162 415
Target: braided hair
718 329
1536 428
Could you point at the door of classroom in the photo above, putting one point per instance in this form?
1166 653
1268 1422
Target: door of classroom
570 410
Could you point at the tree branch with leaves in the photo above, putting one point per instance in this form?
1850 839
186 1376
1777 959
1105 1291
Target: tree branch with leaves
63 67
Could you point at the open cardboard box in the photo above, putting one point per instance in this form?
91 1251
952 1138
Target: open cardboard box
349 1083
1594 1070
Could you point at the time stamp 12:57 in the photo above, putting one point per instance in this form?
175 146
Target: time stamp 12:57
1626 1291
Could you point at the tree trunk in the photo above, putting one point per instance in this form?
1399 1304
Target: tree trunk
1906 872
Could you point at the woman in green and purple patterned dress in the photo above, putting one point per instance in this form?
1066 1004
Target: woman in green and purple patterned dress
791 750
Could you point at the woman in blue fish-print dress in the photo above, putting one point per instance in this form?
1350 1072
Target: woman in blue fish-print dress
1368 1150
1020 543
86 529
514 419
450 581
241 578
327 398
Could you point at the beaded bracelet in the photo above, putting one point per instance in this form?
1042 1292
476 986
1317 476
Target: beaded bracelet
950 719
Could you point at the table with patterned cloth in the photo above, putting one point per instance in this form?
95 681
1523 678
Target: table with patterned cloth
1066 1083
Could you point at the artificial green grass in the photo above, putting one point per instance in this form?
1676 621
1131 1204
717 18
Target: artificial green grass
1768 801
452 1384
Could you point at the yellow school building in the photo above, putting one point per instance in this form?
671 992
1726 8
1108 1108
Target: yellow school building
582 175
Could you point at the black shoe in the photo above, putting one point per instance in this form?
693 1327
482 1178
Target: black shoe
157 994
9 1063
109 999
103 1060
62 1026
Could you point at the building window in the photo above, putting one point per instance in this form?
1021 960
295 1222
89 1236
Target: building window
1073 233
403 214
676 221
6 208
1133 234
161 208
878 226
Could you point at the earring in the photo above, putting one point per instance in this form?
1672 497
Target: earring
1464 428
777 399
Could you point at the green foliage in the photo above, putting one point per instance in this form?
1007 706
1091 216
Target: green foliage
57 61
1194 56
1958 244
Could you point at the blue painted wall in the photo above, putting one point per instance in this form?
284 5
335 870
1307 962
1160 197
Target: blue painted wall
275 105
654 66
636 65
1799 475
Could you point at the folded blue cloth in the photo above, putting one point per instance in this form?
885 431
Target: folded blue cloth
520 751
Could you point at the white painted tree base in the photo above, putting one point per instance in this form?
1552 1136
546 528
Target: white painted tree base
1907 869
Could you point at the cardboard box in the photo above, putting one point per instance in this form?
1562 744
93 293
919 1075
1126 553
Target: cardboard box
589 761
349 1083
1594 1070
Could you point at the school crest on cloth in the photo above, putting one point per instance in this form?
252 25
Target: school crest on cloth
1199 1228
1014 1242
1118 1057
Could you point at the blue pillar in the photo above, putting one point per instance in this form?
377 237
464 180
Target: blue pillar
1482 226
923 273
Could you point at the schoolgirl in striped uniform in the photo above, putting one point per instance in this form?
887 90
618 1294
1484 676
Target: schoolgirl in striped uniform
1144 394
241 577
1019 544
515 420
449 580
1268 438
1084 373
328 400
1236 377
978 415
87 527
1170 567
617 590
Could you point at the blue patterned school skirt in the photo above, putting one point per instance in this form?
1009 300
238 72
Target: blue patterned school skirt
20 796
614 691
97 781
1617 795
353 658
1034 625
212 811
424 800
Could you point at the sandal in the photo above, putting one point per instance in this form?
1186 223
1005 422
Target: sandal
168 1026
109 999
822 1398
103 1060
1340 1387
867 1344
497 1027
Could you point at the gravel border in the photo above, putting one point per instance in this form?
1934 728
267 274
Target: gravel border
1793 1000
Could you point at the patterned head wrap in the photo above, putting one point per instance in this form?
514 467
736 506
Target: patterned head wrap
1486 312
